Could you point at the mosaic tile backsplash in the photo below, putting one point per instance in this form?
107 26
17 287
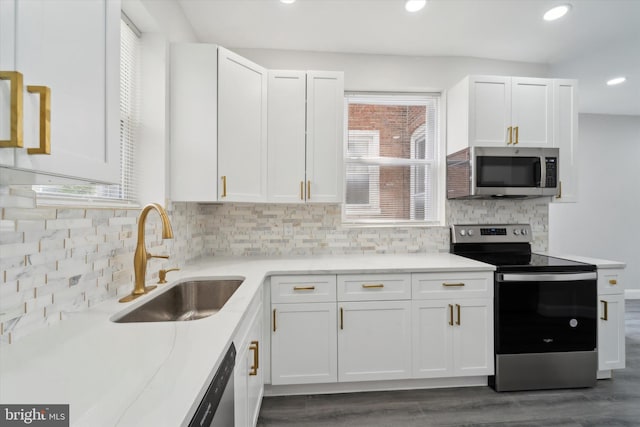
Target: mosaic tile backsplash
56 261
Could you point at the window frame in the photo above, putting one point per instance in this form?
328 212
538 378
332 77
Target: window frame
438 162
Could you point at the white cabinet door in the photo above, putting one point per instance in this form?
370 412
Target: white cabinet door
452 338
566 137
194 148
255 380
611 337
242 129
432 339
473 337
303 343
532 112
73 48
325 133
489 110
374 341
286 136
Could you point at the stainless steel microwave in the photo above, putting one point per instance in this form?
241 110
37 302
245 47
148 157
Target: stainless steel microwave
502 172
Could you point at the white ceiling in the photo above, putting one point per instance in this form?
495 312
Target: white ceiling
496 29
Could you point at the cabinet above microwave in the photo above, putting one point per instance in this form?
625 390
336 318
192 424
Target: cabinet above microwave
518 112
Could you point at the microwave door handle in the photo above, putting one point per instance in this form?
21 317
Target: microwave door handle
543 172
540 173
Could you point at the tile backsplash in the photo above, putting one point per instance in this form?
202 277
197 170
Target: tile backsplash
57 260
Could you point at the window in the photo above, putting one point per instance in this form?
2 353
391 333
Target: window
392 159
129 120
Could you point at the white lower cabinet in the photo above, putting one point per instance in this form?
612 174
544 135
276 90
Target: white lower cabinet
374 341
452 338
611 347
611 309
248 374
303 343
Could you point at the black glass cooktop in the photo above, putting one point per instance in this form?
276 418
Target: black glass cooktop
518 258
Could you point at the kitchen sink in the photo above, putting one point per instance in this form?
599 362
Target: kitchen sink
188 300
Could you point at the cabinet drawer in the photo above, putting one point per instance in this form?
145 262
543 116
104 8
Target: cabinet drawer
291 289
374 287
458 285
609 282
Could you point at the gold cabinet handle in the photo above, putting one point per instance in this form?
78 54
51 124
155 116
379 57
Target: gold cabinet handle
450 315
274 320
45 120
341 318
256 358
516 129
451 285
224 186
372 285
458 319
510 130
613 282
301 190
304 288
308 190
605 310
15 137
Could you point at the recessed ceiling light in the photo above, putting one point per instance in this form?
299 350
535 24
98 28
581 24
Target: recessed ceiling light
415 5
616 81
556 12
287 1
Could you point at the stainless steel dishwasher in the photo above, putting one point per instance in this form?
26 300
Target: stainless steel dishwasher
217 406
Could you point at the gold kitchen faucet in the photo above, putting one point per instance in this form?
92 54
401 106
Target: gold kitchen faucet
141 255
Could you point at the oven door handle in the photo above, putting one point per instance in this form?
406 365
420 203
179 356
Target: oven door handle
555 277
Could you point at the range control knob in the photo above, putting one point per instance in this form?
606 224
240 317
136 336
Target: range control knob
516 232
524 231
463 232
470 232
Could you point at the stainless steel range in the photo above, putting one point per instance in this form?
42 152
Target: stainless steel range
545 310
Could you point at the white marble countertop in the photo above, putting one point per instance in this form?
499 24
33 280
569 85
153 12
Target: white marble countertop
154 374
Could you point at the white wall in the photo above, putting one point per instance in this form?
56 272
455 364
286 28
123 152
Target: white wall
364 72
604 222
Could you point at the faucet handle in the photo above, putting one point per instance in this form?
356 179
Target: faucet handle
157 256
162 275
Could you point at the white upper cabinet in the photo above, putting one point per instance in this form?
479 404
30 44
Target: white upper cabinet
305 117
325 132
73 49
496 111
565 130
287 136
194 122
242 129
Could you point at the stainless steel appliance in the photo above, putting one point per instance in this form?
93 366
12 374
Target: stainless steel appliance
506 172
545 310
216 409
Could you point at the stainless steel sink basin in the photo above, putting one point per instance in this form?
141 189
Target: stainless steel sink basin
188 300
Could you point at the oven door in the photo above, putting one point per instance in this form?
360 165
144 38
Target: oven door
539 313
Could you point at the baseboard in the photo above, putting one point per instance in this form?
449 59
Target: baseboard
632 294
389 385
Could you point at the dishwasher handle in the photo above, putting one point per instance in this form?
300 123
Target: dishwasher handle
549 277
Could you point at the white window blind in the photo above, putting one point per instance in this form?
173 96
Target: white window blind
125 191
391 157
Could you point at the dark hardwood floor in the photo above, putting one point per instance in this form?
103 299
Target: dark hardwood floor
612 403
